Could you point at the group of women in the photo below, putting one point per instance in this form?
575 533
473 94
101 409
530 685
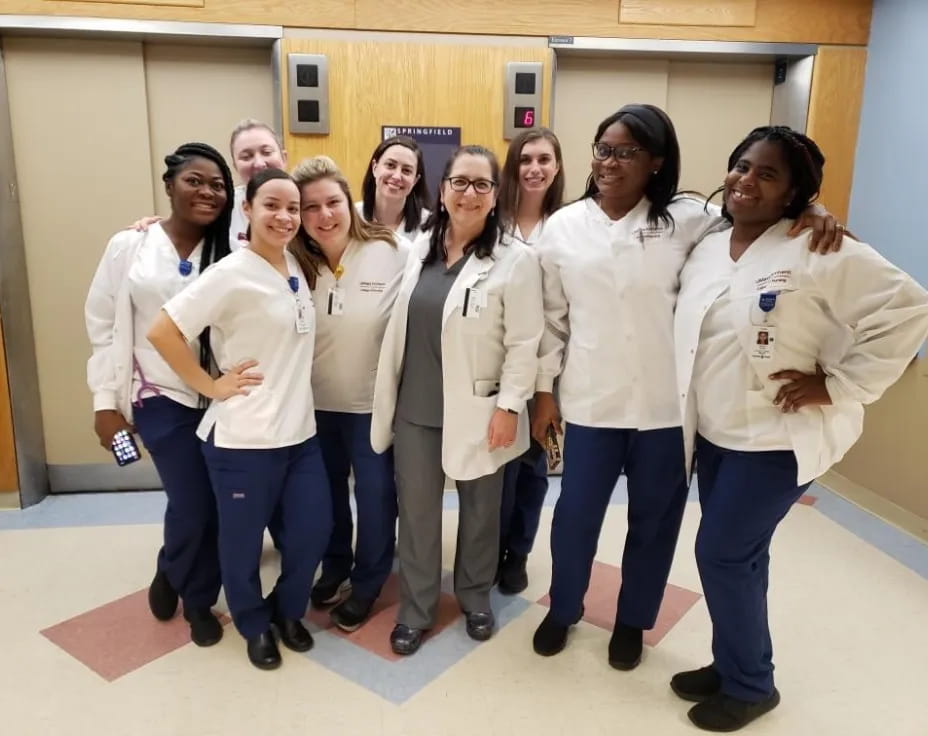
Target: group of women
270 341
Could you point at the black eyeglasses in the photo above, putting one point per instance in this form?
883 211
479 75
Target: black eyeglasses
461 184
622 154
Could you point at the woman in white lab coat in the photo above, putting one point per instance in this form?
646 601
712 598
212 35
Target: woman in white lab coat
531 189
458 364
394 190
132 385
354 269
611 264
259 432
254 146
778 349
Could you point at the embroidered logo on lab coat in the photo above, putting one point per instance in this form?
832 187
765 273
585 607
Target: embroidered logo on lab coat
373 287
782 279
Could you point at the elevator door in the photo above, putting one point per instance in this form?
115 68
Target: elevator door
713 105
89 165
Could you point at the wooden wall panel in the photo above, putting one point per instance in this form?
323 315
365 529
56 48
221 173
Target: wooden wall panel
9 481
375 83
314 14
834 117
687 12
822 21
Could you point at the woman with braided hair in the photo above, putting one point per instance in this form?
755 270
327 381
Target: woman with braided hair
132 384
777 350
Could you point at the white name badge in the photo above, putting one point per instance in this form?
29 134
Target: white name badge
302 322
763 343
475 301
335 302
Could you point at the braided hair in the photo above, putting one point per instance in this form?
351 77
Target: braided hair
803 158
216 234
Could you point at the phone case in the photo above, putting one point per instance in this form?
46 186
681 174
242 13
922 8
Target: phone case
125 450
552 448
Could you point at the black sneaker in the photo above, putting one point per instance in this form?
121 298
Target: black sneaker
351 613
723 713
550 637
697 686
513 578
162 598
205 629
329 590
625 647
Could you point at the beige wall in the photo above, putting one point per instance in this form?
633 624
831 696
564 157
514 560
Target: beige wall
712 105
891 458
94 168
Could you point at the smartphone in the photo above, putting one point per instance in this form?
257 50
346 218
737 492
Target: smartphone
124 448
552 448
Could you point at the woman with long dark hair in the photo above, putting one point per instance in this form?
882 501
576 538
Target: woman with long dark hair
531 190
458 363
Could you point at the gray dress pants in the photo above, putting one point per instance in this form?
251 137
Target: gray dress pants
420 484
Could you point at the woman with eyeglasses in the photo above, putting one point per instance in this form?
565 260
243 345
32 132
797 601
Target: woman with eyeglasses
131 383
611 263
394 191
458 363
531 190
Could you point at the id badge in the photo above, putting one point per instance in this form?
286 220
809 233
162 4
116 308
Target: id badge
302 322
763 343
335 302
475 301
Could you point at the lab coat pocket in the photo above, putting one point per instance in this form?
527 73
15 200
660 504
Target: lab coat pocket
486 388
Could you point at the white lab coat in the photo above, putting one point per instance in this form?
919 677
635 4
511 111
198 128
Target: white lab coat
109 319
487 363
609 294
853 313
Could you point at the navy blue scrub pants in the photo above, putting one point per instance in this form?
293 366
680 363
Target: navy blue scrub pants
744 496
252 487
525 484
345 440
653 460
190 555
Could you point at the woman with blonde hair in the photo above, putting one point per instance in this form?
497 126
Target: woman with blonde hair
353 268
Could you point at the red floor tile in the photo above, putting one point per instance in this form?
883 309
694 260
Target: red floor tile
600 603
119 637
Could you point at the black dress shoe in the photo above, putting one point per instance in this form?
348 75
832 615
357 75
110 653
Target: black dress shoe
513 578
351 613
293 634
205 629
550 637
723 713
480 624
263 652
162 598
697 686
329 590
406 640
625 647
